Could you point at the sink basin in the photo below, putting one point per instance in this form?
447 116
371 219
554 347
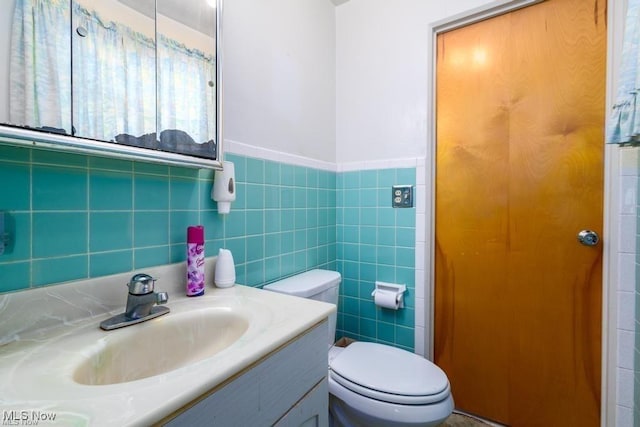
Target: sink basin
56 358
159 346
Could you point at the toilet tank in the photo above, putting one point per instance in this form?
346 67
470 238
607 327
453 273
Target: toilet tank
319 285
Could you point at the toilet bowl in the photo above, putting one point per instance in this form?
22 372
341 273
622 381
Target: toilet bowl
407 391
373 384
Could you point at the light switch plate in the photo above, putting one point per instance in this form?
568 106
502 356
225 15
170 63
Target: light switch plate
402 196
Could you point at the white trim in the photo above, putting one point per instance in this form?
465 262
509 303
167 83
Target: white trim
35 139
611 172
219 84
610 256
478 14
609 278
242 149
412 162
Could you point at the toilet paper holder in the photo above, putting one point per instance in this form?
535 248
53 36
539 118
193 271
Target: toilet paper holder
391 288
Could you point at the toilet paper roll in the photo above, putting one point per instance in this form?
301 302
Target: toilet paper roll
386 299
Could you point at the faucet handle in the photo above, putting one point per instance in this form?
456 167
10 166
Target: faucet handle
141 284
162 297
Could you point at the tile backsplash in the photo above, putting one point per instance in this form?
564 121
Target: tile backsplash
74 216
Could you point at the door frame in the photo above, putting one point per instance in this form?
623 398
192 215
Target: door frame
611 219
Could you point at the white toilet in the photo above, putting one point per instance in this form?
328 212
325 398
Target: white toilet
373 384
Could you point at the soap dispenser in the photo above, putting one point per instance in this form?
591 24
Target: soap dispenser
224 187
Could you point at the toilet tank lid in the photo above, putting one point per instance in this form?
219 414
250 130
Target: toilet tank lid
306 284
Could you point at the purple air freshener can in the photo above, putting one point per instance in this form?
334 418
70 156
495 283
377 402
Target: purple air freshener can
195 261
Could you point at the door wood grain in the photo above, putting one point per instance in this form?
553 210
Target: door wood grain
519 172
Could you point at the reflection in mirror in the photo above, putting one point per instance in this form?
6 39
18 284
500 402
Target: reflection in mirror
113 70
114 73
186 49
35 74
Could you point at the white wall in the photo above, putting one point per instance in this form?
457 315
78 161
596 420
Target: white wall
279 76
382 87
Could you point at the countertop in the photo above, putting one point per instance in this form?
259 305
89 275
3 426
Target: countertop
44 332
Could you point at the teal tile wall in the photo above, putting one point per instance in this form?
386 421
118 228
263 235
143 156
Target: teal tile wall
282 222
375 243
75 216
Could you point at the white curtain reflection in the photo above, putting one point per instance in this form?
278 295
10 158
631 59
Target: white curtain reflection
114 87
40 87
114 77
186 92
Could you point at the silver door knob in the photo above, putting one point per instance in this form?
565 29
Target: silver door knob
588 237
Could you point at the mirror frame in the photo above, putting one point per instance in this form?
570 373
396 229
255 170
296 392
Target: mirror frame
10 135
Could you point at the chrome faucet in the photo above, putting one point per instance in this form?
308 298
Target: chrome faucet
141 303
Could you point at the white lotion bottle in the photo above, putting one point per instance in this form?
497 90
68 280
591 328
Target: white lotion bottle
225 274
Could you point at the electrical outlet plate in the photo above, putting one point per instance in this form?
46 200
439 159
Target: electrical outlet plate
402 196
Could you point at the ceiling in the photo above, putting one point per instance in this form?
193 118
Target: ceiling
195 14
198 16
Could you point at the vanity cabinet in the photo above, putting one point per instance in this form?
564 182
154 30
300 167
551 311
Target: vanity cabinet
288 388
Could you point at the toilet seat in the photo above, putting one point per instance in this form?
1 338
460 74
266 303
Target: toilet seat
388 397
355 409
388 374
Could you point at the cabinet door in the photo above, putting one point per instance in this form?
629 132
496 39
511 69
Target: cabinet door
266 393
311 411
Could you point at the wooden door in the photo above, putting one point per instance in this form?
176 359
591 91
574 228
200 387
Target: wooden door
519 172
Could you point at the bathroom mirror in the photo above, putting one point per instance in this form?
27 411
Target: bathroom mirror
127 78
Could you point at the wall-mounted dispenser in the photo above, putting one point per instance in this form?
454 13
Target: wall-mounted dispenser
389 295
224 187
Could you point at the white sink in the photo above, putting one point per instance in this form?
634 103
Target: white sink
54 356
160 345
